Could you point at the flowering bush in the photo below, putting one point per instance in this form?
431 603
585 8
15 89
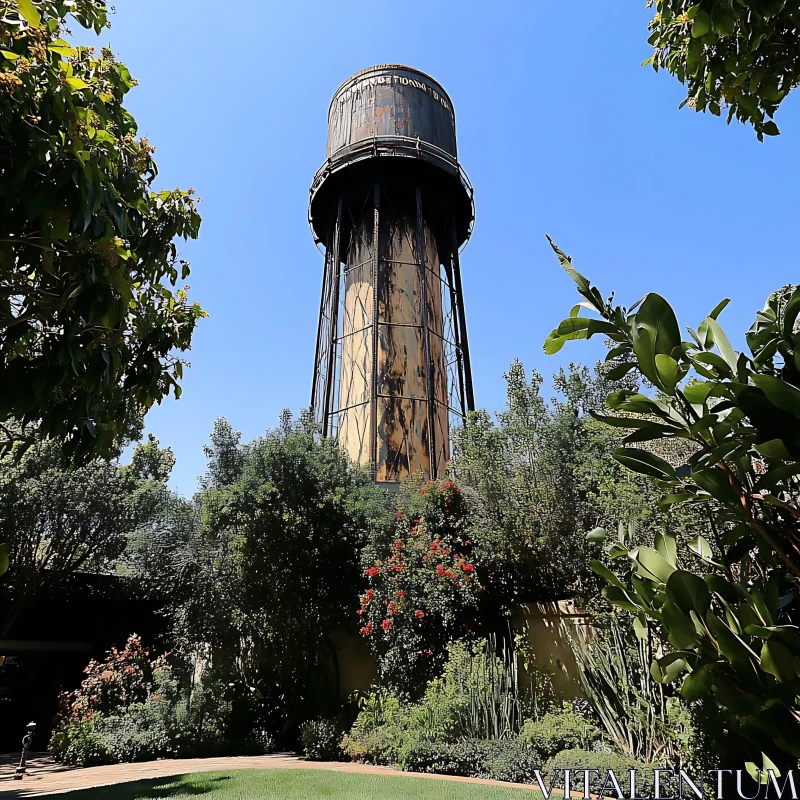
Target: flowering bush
131 708
423 585
121 679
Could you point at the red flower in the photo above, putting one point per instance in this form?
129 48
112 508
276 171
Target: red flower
399 515
401 595
419 614
424 558
440 570
386 624
397 569
370 592
468 568
398 544
360 612
373 571
366 630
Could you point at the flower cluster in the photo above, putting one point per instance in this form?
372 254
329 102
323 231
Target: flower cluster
121 679
423 585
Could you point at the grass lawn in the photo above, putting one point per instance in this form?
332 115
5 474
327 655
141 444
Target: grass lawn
302 784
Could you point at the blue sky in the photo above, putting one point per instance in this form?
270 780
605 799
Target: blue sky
560 130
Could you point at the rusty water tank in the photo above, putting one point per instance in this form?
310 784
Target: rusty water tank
392 119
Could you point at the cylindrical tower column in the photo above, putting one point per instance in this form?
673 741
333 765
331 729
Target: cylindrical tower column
392 364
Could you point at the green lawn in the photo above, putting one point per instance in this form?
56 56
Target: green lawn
302 784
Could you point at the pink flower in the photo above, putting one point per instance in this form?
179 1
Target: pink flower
419 614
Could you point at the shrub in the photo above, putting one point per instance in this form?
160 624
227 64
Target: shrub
132 709
499 759
621 765
557 731
423 584
321 740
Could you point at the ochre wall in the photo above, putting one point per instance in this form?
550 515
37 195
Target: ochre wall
546 626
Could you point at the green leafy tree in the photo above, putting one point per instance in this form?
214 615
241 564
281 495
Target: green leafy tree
546 475
60 520
90 321
263 566
742 56
726 605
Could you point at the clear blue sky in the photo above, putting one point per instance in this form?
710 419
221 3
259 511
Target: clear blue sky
559 128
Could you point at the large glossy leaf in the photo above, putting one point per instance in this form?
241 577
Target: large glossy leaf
606 573
655 331
644 463
666 547
715 481
778 661
681 633
667 668
714 330
780 393
689 592
654 563
697 684
620 598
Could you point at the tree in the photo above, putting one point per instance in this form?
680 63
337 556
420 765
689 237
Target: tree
264 565
60 520
546 474
739 55
727 604
89 321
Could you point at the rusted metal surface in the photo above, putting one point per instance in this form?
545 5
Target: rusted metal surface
391 101
392 368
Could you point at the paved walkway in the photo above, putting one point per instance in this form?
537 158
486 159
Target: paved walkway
45 777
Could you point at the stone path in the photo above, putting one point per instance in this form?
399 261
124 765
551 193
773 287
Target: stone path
45 777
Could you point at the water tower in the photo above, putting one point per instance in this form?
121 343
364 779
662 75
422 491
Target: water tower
392 207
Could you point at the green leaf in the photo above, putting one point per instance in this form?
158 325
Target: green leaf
667 668
777 660
721 341
666 547
715 482
675 498
597 535
774 448
620 598
9 55
77 84
701 24
667 368
779 393
719 308
644 463
697 393
606 574
702 549
30 13
697 684
790 313
654 329
723 20
620 371
653 563
689 592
